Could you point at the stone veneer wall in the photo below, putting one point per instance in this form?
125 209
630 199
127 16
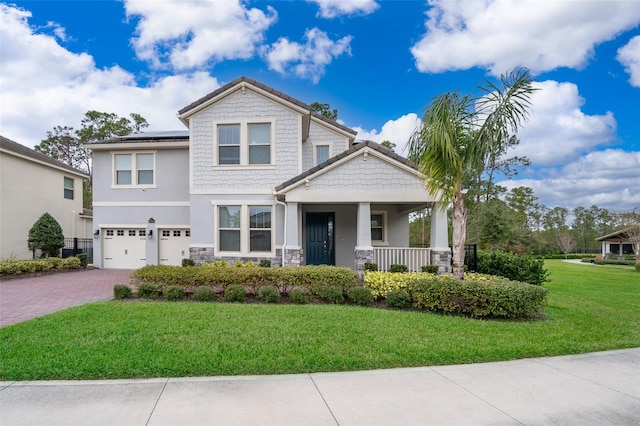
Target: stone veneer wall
362 257
202 255
443 260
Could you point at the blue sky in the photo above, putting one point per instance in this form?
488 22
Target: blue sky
377 62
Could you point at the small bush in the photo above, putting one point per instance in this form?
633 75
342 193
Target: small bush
84 260
360 296
525 268
147 291
397 268
174 292
398 299
371 267
265 263
204 293
269 294
235 293
71 263
429 269
121 291
637 266
55 262
298 296
333 294
188 262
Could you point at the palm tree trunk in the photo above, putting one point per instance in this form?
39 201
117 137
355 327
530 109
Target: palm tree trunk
459 234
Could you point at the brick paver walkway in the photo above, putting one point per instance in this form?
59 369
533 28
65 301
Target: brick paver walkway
26 298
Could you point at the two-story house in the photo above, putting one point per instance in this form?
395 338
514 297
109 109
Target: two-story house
32 184
257 175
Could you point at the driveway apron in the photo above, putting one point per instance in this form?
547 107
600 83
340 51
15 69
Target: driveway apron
26 298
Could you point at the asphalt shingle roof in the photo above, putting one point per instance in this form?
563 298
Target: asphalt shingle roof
12 146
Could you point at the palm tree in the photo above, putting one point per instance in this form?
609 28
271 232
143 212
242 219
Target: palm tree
457 136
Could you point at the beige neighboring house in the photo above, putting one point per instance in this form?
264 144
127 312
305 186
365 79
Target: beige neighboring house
32 184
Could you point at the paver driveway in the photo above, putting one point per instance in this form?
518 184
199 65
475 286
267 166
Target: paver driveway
26 298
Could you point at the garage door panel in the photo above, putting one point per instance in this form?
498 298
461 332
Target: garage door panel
124 248
174 246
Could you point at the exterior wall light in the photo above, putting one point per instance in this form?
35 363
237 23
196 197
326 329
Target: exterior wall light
96 234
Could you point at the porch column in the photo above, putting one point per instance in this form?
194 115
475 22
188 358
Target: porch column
292 255
364 249
439 241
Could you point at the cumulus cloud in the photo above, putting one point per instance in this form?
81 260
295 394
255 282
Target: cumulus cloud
558 130
334 8
629 57
44 85
396 131
592 179
187 35
307 60
500 35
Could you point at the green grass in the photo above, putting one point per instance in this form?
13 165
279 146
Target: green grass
591 308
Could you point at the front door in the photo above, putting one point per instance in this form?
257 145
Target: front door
320 239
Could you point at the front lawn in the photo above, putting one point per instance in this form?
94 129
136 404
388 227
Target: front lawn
590 308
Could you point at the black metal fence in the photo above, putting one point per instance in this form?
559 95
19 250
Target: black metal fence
75 246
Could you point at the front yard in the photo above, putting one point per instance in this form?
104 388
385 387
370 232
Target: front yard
590 308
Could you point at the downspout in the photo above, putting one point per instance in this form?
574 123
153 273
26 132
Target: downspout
284 234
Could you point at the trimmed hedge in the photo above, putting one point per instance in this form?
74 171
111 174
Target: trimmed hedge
19 267
614 262
525 268
221 275
477 296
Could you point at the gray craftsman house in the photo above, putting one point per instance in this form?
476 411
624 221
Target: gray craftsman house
257 175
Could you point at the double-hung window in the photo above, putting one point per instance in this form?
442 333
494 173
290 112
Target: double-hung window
244 229
244 143
68 188
134 169
378 227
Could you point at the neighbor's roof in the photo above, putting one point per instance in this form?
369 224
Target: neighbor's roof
355 147
616 235
20 150
161 136
268 89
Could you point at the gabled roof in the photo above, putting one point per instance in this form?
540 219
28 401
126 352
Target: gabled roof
354 148
246 80
618 235
20 150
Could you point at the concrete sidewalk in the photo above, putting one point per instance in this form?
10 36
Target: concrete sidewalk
592 389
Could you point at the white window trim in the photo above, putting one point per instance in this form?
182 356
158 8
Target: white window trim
244 144
315 151
134 170
385 239
244 230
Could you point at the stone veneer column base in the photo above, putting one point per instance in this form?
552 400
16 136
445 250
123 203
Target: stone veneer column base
292 257
201 254
362 257
443 260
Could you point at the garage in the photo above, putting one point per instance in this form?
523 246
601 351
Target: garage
174 246
124 248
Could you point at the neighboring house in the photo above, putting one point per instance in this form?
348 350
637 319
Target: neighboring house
32 184
257 175
616 243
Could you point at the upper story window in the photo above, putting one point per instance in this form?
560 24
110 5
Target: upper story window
321 154
68 188
134 169
244 143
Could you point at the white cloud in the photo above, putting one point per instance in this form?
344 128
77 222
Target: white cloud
44 85
307 60
187 35
629 57
500 35
334 8
604 178
396 131
558 131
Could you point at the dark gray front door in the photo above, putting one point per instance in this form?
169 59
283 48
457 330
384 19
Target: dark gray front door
320 238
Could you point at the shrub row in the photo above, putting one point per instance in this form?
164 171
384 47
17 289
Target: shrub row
19 267
314 279
568 256
477 296
614 262
524 268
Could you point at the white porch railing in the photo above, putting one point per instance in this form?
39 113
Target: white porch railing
414 258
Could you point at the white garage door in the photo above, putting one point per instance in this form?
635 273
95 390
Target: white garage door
174 246
124 248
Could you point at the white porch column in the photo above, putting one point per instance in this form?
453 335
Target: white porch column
363 241
292 253
439 239
439 229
